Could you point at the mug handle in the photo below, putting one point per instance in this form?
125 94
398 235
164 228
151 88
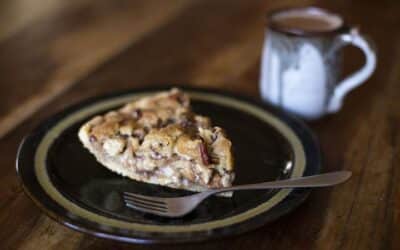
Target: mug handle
356 79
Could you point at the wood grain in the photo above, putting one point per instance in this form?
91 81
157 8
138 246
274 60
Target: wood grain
69 50
214 44
16 15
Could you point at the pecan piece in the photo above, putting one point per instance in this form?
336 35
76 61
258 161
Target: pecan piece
204 154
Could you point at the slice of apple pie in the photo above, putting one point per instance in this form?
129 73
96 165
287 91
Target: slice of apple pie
158 139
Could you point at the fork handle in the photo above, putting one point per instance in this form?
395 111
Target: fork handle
321 180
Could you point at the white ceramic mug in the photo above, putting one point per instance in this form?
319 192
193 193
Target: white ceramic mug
301 64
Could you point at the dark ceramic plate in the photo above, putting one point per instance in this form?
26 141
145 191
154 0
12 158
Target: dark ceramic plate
67 183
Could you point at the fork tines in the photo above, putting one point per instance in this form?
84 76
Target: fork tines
144 204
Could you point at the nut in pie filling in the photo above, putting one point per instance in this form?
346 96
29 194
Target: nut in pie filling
159 140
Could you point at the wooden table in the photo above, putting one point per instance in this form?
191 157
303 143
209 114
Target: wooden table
55 53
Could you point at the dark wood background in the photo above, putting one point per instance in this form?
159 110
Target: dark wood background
55 53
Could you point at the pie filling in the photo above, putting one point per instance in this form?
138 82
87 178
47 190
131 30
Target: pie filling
159 140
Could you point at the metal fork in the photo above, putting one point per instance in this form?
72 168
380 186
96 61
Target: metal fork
180 206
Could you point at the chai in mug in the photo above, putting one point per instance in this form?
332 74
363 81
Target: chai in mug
301 61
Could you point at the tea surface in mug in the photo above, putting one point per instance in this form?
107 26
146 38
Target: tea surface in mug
309 22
